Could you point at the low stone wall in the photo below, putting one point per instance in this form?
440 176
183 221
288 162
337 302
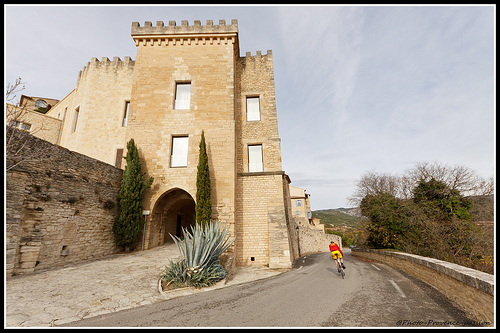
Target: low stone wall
314 241
472 290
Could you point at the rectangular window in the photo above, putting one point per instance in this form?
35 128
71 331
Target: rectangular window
253 109
298 203
26 127
75 119
182 96
14 123
179 151
297 212
125 115
255 158
119 158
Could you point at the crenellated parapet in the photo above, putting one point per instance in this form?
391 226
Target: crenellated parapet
258 58
185 34
106 64
259 54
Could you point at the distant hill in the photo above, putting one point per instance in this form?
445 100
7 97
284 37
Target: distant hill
340 217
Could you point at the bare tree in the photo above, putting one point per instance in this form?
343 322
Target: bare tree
460 178
17 141
373 183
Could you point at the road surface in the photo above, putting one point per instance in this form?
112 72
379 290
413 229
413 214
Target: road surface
311 295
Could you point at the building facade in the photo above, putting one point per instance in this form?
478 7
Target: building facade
187 79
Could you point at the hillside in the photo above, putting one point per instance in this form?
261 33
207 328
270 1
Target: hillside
340 217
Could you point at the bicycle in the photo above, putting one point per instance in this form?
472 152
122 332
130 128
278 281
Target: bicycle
340 269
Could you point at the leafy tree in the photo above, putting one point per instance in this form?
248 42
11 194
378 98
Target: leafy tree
389 219
203 186
439 201
127 226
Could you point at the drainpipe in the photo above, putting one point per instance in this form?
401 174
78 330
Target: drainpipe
145 213
298 239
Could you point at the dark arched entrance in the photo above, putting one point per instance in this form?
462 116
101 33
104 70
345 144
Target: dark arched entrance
173 211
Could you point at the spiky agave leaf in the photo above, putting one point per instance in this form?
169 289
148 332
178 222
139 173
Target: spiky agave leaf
203 243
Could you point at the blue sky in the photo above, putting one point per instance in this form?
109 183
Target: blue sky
358 88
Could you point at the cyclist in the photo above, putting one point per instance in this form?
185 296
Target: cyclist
336 251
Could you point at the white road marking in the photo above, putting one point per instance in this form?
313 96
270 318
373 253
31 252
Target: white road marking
376 267
398 289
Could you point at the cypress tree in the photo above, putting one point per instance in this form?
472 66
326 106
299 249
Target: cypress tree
127 226
203 186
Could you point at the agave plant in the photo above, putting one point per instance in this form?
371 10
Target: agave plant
200 250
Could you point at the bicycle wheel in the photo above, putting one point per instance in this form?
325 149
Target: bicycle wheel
341 270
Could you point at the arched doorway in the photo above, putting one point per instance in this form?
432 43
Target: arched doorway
173 211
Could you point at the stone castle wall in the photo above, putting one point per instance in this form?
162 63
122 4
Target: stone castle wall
60 208
97 106
262 204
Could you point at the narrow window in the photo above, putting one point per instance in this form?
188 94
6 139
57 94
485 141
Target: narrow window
75 119
26 127
182 96
179 151
119 158
253 109
125 115
255 158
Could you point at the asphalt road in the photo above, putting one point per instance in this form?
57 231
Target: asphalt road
311 295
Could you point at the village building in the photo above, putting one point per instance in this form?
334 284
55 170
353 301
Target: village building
185 80
300 204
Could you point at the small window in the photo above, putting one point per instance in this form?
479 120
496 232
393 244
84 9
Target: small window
253 109
125 114
297 212
182 96
40 104
298 203
75 119
179 151
119 158
14 123
255 158
26 127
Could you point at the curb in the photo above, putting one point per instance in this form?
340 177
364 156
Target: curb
187 290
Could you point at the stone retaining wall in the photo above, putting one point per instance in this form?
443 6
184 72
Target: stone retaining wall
60 206
472 290
314 241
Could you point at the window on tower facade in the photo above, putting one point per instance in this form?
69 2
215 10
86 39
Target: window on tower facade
253 109
125 114
179 155
182 96
255 158
75 119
